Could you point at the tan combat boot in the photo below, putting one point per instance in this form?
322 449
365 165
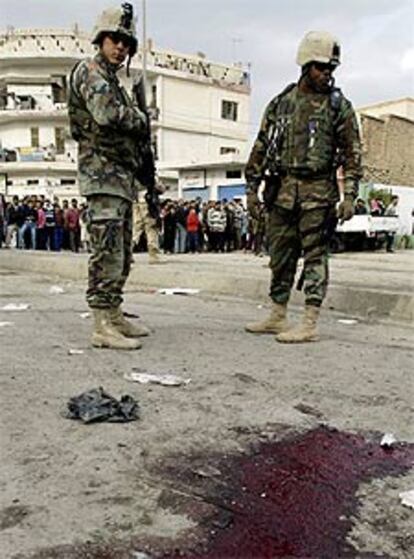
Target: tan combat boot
306 331
125 327
274 324
154 258
106 335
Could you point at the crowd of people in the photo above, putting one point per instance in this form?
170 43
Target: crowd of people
214 226
38 223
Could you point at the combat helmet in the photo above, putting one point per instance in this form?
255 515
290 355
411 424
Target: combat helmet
117 20
319 46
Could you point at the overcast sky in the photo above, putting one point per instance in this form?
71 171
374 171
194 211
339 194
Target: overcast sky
377 37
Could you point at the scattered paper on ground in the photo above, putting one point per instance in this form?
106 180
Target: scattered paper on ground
140 555
164 379
348 321
85 315
178 291
407 498
3 324
56 290
388 440
76 352
16 307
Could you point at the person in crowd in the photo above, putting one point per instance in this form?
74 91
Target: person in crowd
391 211
169 228
217 221
40 226
65 231
28 227
144 223
376 206
181 227
238 212
85 241
360 207
193 228
50 225
73 225
59 226
229 233
12 219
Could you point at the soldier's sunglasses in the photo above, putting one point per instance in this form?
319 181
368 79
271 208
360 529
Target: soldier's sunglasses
117 38
322 66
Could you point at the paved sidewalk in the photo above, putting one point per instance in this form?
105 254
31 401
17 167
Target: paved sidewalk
364 284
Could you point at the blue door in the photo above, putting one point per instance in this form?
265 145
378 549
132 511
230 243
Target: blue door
230 191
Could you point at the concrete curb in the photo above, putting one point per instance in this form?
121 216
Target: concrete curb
225 279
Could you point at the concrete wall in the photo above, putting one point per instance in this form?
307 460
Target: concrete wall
400 107
388 150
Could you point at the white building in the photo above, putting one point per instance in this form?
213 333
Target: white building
199 109
213 179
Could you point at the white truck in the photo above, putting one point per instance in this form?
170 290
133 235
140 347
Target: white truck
364 232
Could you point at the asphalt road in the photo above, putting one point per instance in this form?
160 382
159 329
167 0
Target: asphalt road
64 484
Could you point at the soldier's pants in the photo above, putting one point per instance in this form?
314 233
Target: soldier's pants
110 229
292 234
143 222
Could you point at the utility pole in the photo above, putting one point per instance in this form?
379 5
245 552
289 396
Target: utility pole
144 42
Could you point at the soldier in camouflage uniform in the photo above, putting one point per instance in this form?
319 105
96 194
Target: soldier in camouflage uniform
144 222
108 127
305 131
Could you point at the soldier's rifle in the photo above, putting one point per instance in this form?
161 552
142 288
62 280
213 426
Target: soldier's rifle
272 176
146 173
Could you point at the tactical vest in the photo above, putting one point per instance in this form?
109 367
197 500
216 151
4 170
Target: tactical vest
306 125
110 143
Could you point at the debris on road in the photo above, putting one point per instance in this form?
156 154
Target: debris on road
76 352
140 555
16 307
163 379
207 471
97 405
4 324
407 498
388 440
348 321
85 315
178 291
309 410
56 290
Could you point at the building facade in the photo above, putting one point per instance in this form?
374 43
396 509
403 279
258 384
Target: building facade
199 109
388 142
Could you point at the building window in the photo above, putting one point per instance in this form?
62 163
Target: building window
225 150
234 174
32 182
59 89
153 103
64 182
34 134
229 110
60 140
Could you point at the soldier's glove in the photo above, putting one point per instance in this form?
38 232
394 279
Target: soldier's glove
253 203
346 209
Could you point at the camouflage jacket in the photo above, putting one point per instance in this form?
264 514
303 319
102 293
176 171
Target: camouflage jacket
310 131
107 126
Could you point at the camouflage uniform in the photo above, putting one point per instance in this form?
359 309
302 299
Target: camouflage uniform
107 126
143 222
313 127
